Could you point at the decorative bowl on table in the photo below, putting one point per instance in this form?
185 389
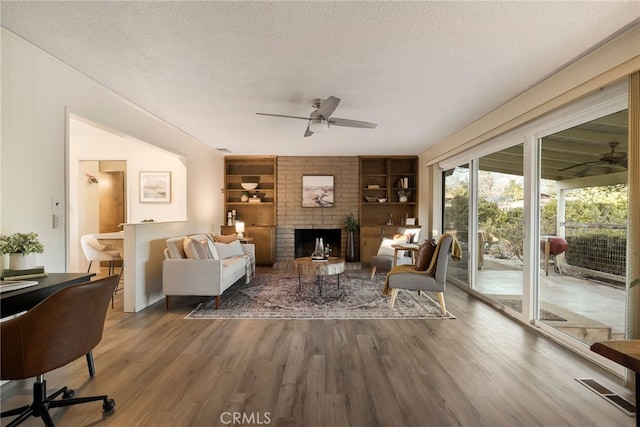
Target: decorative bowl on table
249 185
370 198
382 200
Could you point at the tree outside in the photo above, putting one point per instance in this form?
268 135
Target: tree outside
593 213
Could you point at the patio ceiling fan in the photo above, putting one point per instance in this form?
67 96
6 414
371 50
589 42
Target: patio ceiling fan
320 120
610 158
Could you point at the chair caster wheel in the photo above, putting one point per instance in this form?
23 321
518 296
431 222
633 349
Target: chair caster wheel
108 405
68 394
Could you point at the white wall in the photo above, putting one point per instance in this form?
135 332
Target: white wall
139 157
86 219
38 92
85 150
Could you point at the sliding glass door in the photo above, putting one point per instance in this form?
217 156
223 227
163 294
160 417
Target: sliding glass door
500 216
583 229
541 215
455 217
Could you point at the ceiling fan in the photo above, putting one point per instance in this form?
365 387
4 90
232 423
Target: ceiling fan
611 158
320 120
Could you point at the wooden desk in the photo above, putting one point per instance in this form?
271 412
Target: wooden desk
625 353
13 302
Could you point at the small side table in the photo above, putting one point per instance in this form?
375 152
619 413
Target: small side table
411 247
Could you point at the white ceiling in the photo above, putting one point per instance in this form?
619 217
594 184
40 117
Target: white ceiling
421 70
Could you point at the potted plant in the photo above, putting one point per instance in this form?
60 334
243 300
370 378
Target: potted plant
350 226
245 196
22 249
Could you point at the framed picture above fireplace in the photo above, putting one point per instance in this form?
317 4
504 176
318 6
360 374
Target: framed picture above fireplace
317 191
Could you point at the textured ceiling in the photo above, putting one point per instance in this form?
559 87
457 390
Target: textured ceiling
421 70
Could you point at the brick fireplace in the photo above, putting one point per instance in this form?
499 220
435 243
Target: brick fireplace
291 216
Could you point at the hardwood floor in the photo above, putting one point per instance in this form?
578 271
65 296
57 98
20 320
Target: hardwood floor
481 369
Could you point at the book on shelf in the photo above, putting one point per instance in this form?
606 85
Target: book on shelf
402 183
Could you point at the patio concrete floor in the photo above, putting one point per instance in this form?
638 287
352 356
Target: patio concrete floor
582 299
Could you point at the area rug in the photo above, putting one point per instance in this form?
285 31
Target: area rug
278 296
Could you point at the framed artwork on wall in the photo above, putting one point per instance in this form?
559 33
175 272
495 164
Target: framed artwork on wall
155 187
317 191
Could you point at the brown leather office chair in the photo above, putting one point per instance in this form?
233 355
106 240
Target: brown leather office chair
65 326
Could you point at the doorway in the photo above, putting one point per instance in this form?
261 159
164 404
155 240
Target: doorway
101 199
112 195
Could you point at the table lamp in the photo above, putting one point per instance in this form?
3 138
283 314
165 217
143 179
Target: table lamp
240 229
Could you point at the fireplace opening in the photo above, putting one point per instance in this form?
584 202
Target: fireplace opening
305 240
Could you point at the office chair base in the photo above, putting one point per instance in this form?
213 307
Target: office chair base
42 403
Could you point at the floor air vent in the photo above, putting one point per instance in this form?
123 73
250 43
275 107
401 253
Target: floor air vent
619 402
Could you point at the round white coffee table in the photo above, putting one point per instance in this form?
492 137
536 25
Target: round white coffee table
328 267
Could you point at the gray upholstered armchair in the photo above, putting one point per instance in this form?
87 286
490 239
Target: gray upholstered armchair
433 279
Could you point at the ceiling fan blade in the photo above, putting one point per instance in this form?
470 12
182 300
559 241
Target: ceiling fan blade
327 107
308 132
282 115
351 123
584 171
579 164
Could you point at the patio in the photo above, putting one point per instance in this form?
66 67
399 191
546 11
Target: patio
584 308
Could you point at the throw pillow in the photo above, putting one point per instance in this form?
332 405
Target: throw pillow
385 247
228 238
196 249
212 247
229 250
424 255
176 248
413 234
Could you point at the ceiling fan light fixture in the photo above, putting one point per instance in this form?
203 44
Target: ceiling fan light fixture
320 119
318 125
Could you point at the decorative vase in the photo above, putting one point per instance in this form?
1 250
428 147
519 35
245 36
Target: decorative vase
318 253
22 261
244 198
403 199
350 252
